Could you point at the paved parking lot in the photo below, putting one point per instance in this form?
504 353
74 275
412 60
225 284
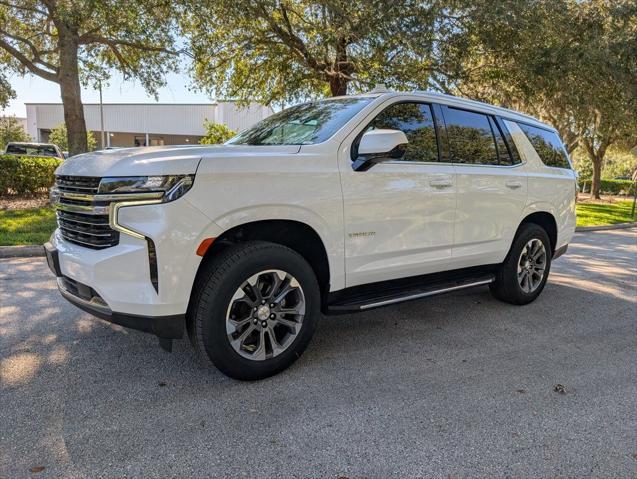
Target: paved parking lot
454 386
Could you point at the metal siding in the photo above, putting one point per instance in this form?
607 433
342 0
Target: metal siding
163 119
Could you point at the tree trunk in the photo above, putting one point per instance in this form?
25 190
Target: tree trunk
338 85
339 79
69 80
597 176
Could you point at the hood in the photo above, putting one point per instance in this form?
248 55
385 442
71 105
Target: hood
159 160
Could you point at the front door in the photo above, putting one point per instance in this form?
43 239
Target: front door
399 215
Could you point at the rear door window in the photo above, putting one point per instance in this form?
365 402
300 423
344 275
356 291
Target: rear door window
548 146
470 137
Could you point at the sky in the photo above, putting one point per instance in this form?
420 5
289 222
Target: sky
32 89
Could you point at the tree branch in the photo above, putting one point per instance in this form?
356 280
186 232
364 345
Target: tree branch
25 8
90 37
36 55
28 63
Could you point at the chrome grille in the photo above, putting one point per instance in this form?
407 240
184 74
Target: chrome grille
78 184
81 217
92 231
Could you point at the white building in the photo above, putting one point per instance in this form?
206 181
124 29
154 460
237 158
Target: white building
141 124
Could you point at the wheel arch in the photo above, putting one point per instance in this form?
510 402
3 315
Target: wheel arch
547 221
296 235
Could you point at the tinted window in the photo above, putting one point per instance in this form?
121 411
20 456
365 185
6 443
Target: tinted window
35 150
416 121
304 124
504 157
547 145
470 137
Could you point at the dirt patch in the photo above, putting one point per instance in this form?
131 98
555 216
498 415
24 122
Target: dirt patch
605 199
23 203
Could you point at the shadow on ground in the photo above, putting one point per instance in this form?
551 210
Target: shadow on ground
455 386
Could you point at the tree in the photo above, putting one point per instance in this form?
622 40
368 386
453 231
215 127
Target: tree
58 136
216 133
285 50
11 130
6 92
571 63
71 42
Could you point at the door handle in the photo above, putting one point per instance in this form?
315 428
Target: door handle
514 185
441 183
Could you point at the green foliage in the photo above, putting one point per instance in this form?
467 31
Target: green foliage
216 133
572 63
619 163
11 130
133 37
59 137
283 51
26 227
597 214
74 42
610 187
6 92
27 174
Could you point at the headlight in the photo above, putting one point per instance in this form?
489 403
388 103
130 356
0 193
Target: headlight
173 186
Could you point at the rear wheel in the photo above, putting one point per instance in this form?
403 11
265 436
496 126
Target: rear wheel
523 274
255 310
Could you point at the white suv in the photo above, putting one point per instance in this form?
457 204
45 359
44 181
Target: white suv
332 206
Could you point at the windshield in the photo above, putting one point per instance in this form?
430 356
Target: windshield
35 150
303 124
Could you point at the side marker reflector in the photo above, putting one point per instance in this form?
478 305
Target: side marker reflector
203 247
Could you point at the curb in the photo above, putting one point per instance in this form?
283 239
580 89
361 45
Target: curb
21 251
620 226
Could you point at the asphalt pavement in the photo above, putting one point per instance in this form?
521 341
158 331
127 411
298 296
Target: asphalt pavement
454 386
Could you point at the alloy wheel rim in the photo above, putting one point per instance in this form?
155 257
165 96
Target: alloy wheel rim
265 315
532 265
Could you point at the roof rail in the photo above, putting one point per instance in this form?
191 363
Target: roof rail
477 103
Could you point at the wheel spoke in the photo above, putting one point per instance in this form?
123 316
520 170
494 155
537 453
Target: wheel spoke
238 342
250 287
292 325
238 324
255 322
259 353
277 348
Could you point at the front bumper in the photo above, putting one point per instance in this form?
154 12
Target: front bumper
121 284
87 299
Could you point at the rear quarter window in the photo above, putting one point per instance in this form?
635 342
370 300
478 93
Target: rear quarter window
548 146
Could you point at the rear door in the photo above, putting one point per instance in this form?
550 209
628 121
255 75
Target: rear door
492 186
399 215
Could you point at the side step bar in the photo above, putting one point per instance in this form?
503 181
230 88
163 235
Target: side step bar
371 301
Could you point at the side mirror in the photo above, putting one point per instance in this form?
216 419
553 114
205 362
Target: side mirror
379 145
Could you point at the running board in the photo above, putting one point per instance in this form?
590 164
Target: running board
370 301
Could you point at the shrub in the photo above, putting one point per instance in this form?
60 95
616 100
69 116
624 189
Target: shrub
26 174
216 133
58 137
609 187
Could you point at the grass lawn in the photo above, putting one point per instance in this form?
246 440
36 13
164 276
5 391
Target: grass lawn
594 214
28 226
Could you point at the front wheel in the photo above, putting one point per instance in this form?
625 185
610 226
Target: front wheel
523 274
255 310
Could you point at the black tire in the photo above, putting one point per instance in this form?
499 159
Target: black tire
506 286
212 296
